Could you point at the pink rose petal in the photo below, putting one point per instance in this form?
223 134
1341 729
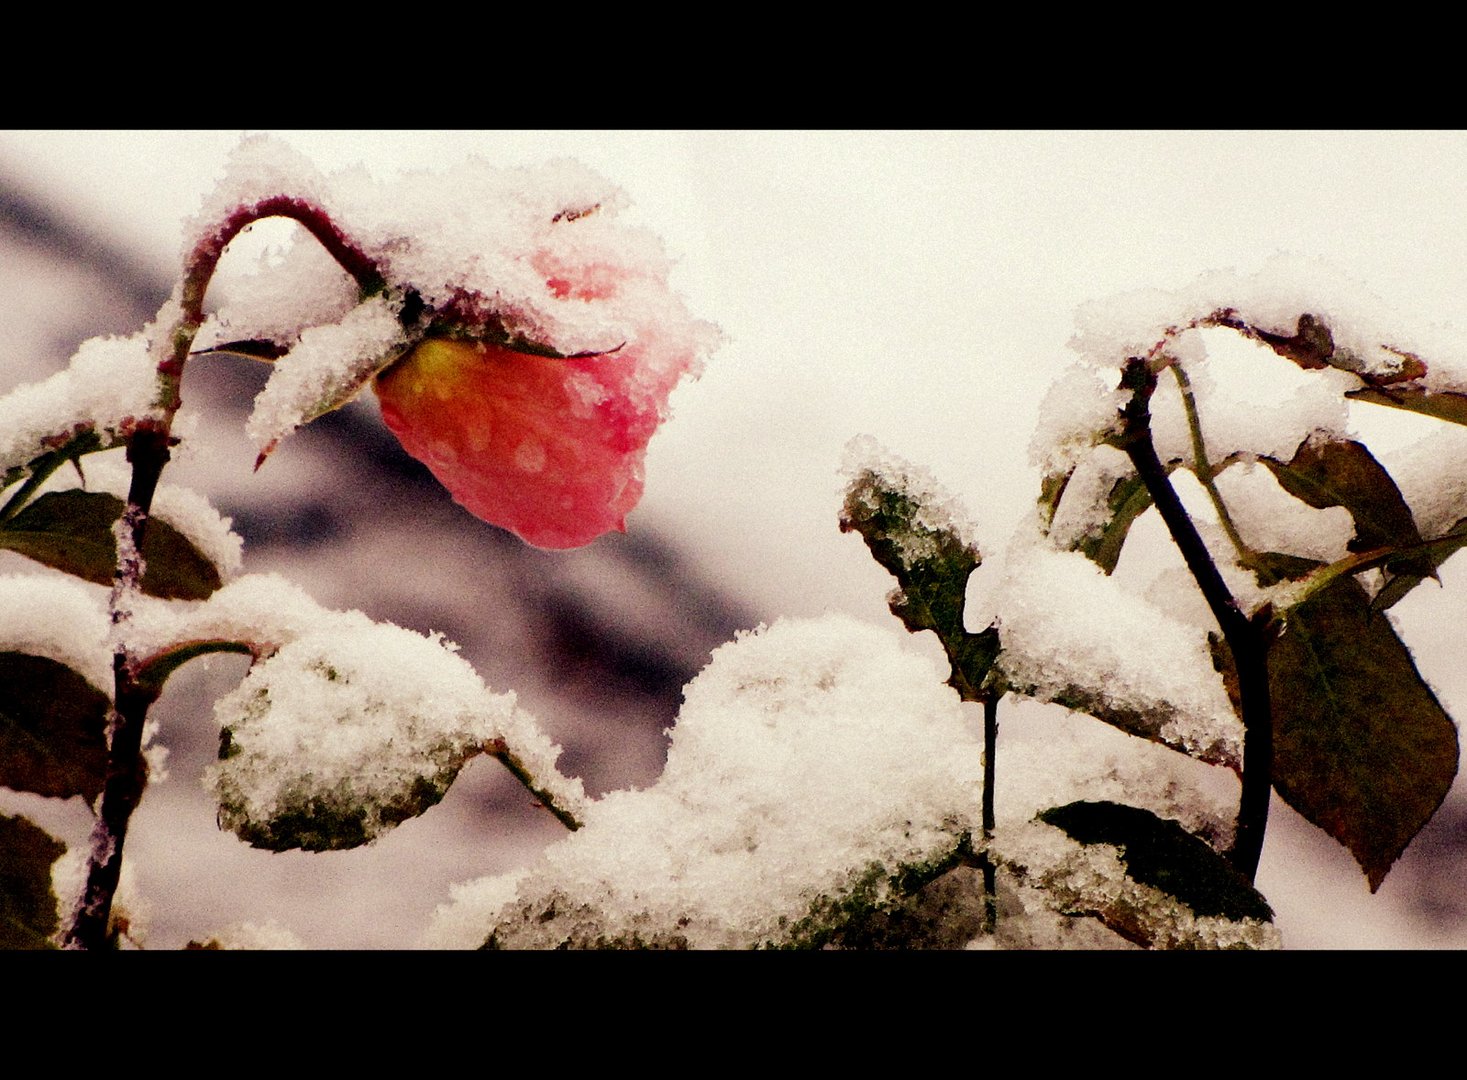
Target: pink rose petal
550 449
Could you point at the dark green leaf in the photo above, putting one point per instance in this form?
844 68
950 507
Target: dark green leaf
72 531
261 349
28 914
1272 567
52 728
931 565
1442 404
1162 854
1127 501
1362 747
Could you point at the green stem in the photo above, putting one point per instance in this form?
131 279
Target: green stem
1203 470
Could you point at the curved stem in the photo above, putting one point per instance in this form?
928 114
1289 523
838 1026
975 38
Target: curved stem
148 452
1247 639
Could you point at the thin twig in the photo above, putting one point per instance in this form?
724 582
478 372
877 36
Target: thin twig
1203 470
500 749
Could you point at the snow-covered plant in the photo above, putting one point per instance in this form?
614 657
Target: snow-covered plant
1229 409
826 785
524 344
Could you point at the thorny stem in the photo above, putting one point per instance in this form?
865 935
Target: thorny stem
1247 638
148 452
499 749
1202 467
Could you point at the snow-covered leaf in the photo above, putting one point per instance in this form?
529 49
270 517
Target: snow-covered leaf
327 368
53 726
932 905
346 732
911 528
1124 867
60 449
1160 853
1073 635
93 404
820 779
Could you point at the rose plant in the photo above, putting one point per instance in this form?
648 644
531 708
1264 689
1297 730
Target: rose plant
531 387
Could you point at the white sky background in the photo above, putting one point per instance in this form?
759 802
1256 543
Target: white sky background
919 287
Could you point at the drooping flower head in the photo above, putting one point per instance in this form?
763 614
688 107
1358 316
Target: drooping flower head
524 342
550 446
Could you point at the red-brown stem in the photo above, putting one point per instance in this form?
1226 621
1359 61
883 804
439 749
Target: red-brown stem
148 452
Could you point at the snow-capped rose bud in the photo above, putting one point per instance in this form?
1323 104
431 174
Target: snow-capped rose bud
549 448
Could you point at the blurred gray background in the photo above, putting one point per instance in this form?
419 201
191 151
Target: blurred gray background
919 287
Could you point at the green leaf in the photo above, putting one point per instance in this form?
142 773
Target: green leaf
1158 852
72 531
1362 747
1442 404
28 914
1051 490
931 565
52 728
